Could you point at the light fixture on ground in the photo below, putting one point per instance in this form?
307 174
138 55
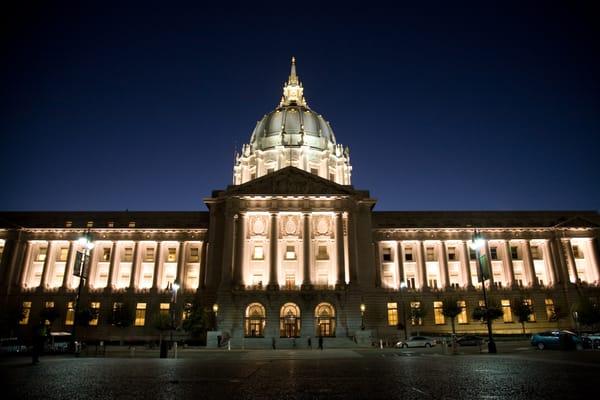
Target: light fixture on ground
477 243
79 270
362 316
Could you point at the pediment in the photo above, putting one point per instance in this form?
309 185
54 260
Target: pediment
290 181
578 222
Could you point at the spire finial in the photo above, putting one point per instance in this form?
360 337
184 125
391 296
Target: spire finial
292 89
293 80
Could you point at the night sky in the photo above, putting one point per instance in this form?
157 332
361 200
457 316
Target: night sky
142 107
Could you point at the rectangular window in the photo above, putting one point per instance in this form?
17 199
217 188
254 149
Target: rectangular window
535 252
257 280
507 316
433 283
42 254
258 253
314 171
290 281
322 280
70 317
290 252
415 307
194 254
531 317
430 254
270 170
172 255
494 253
472 254
437 313
149 256
387 254
131 224
550 309
322 253
392 311
26 312
577 252
253 175
408 255
164 308
331 177
128 254
95 306
62 254
462 317
452 253
140 314
106 254
90 224
514 252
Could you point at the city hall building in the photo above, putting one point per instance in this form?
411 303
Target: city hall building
292 250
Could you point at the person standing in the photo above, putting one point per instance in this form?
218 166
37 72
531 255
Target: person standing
273 342
309 343
39 335
320 342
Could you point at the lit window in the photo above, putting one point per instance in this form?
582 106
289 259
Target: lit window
106 254
430 254
68 224
437 313
290 253
387 254
462 317
172 256
131 224
90 224
149 256
194 254
415 312
494 253
408 255
164 308
392 312
95 306
128 254
258 253
507 316
70 317
451 253
550 309
322 253
531 317
62 254
26 312
140 314
110 224
42 254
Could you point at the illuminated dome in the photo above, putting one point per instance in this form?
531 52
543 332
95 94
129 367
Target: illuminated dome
295 135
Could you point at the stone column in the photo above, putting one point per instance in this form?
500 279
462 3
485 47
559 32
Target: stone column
69 266
509 270
240 235
157 265
352 249
135 261
273 260
572 265
400 257
443 263
466 265
113 265
203 263
560 261
550 268
488 254
48 263
593 259
378 264
306 258
529 267
180 277
422 266
89 267
339 239
26 267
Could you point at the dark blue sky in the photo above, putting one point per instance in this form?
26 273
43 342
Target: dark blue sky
141 108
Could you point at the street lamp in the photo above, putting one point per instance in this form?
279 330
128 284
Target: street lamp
362 316
174 288
477 243
215 309
80 262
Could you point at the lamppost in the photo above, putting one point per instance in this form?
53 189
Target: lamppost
362 316
215 309
402 288
476 244
174 288
81 260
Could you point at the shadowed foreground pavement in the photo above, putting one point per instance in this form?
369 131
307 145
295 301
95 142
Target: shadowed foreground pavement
304 374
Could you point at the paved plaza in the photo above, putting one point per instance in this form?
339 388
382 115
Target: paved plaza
518 373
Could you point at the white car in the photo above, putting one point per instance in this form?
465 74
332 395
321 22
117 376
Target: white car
416 341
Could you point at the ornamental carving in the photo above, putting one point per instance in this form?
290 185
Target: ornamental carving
258 225
322 226
290 225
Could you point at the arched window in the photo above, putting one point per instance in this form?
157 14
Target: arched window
289 317
254 320
325 320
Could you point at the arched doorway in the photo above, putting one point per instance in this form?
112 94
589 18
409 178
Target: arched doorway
289 317
325 320
254 320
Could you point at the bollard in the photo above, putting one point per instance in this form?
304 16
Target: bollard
175 350
380 344
229 344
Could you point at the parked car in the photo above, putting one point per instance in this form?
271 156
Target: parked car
470 340
591 341
416 341
12 346
563 340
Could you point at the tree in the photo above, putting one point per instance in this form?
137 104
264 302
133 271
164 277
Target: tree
10 317
492 312
523 310
85 316
417 314
588 313
49 315
121 316
451 309
197 319
162 323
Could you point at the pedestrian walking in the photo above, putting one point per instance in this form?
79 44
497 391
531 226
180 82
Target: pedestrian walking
309 343
39 335
320 342
273 342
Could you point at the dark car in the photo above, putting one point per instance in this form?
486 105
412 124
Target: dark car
561 340
591 341
469 340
